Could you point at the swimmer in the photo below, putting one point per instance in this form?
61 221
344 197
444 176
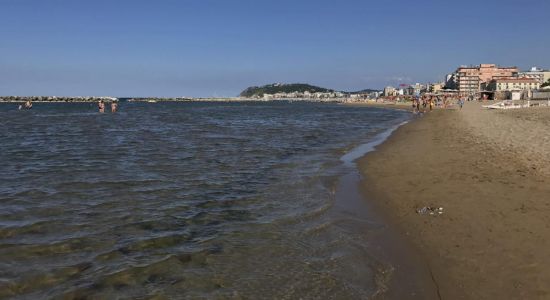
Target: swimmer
101 106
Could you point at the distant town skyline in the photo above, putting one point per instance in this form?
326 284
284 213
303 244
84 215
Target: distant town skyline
218 48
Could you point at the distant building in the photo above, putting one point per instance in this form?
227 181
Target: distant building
374 95
513 84
540 75
390 91
470 79
415 89
436 87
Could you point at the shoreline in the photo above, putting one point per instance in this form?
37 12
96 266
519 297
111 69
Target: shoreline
405 274
495 210
187 100
388 105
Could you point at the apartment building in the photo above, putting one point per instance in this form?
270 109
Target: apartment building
513 84
469 79
415 89
540 75
389 91
436 87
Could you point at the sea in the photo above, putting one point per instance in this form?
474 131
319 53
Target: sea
190 200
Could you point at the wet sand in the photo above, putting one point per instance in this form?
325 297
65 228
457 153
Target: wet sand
490 172
400 272
392 105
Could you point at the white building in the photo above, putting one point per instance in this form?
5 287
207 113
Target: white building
540 75
513 84
415 89
389 91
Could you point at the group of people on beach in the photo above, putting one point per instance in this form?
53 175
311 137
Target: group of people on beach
101 106
421 104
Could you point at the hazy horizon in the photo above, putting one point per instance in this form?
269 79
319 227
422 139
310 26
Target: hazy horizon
218 48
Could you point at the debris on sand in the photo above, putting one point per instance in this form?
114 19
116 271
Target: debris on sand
429 210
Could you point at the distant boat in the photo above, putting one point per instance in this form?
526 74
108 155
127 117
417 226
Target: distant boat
152 101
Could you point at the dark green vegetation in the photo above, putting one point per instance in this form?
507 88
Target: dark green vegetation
256 91
365 91
259 91
547 83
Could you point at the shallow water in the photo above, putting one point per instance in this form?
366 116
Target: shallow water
187 200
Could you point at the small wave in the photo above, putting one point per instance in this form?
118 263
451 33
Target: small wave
64 115
363 149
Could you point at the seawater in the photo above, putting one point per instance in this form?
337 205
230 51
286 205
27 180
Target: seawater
184 200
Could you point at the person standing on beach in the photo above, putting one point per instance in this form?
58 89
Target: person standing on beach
114 106
416 106
424 104
461 102
101 106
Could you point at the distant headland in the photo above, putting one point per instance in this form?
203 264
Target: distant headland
296 91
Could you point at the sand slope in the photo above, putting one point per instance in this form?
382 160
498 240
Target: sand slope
489 171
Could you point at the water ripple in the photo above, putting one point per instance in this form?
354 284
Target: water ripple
188 200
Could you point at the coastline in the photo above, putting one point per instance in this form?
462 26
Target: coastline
388 105
405 274
183 100
494 197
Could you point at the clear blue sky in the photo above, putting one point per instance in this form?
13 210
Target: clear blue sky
219 47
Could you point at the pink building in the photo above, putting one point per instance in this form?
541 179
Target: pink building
470 79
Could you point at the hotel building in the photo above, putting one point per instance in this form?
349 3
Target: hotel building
470 79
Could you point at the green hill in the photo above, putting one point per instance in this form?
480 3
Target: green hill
365 91
259 91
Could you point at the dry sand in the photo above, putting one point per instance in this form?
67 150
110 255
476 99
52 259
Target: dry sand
490 171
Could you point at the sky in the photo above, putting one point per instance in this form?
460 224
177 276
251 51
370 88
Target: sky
215 48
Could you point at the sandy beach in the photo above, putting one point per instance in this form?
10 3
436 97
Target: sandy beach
490 172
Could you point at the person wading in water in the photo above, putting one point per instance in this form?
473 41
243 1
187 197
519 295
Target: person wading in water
114 106
101 106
